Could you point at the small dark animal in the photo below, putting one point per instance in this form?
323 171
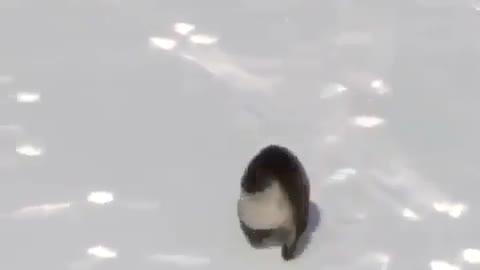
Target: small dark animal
274 201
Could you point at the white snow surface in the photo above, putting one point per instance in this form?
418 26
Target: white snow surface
141 116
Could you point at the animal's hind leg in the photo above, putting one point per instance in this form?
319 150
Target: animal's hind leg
292 237
290 245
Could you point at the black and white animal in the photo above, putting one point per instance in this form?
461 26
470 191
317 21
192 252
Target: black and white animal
274 200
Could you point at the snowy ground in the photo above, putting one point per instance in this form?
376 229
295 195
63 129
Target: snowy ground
125 127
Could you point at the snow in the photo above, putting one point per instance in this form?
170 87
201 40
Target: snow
125 127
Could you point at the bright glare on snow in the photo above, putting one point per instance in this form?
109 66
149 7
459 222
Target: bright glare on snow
28 97
46 207
379 86
163 43
442 265
367 121
342 174
29 150
102 252
454 210
42 210
471 255
341 88
203 39
183 28
332 90
376 83
100 197
410 214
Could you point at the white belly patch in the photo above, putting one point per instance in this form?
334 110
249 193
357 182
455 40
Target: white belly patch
265 210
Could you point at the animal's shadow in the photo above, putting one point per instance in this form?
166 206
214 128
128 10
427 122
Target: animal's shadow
265 239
